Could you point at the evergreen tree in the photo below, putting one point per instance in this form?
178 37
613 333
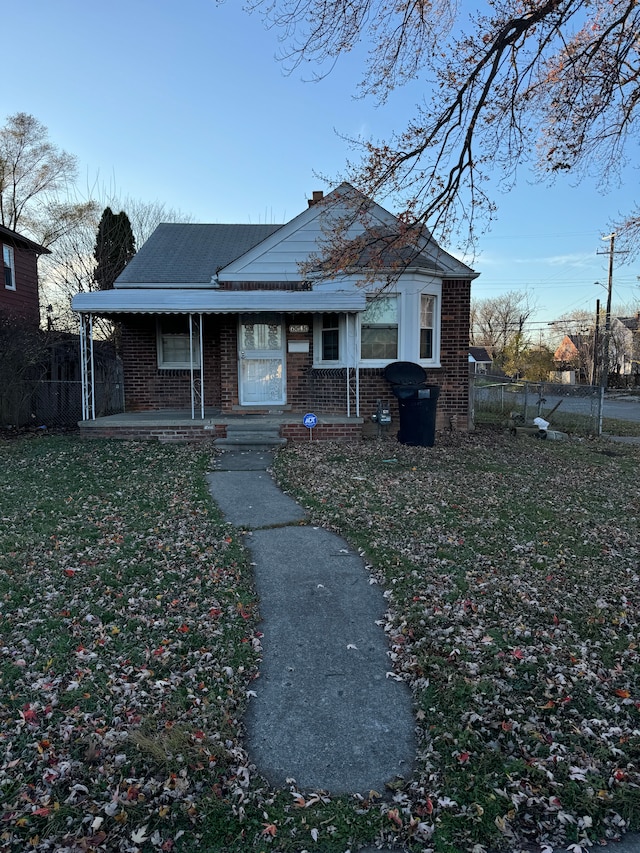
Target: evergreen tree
115 246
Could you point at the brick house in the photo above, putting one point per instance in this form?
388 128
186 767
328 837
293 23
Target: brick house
19 300
221 321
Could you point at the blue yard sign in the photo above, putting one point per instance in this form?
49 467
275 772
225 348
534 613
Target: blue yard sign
310 420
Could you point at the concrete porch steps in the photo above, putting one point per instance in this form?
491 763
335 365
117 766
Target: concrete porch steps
251 434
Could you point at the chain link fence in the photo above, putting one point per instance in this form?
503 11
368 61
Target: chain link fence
571 408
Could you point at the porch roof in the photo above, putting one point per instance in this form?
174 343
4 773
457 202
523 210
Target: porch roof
190 301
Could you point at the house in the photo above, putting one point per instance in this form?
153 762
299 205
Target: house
569 349
574 355
479 360
632 327
19 300
223 321
623 346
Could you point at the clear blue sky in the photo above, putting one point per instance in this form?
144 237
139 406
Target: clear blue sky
185 103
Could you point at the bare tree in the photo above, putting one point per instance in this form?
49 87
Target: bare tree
500 325
71 267
553 82
35 177
145 216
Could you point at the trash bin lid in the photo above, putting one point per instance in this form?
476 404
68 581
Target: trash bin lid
405 373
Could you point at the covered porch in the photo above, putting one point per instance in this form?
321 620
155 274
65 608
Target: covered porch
201 355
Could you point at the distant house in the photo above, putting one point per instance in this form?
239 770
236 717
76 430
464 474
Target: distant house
575 353
632 326
568 351
623 349
19 300
574 360
223 321
480 360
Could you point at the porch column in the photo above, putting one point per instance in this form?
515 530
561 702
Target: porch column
348 369
352 351
356 351
201 339
197 386
87 367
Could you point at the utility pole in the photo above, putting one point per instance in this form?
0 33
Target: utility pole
604 375
596 335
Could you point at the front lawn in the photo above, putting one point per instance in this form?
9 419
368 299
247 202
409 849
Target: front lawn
512 576
130 637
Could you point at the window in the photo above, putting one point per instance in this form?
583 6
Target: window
173 342
9 267
379 330
427 310
330 338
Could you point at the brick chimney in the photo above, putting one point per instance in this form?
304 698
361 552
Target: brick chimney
318 195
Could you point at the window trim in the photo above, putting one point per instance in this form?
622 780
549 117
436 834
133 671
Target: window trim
434 327
163 364
9 263
435 360
318 361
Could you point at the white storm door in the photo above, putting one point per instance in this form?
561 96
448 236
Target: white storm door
261 360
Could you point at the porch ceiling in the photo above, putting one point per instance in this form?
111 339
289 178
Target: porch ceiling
196 301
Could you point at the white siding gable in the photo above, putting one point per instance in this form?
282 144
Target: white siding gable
279 257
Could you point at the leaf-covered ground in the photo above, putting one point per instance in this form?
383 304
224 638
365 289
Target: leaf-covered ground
126 643
512 577
129 638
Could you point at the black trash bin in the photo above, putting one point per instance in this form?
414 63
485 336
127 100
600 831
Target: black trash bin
417 402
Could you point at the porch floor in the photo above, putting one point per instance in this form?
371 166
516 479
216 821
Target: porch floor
230 427
182 417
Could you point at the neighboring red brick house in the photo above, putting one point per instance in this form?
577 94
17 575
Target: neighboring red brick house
568 351
220 320
19 301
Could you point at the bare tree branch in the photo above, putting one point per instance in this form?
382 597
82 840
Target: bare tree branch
552 82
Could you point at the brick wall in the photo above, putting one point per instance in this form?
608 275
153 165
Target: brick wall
146 387
163 434
229 363
453 377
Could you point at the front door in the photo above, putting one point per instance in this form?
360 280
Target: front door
261 360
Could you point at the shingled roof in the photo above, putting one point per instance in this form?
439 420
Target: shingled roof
188 253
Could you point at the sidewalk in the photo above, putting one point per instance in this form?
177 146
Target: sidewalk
325 712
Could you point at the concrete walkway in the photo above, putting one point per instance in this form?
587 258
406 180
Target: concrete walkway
326 713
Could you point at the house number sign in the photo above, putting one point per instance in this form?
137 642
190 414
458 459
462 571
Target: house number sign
301 329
